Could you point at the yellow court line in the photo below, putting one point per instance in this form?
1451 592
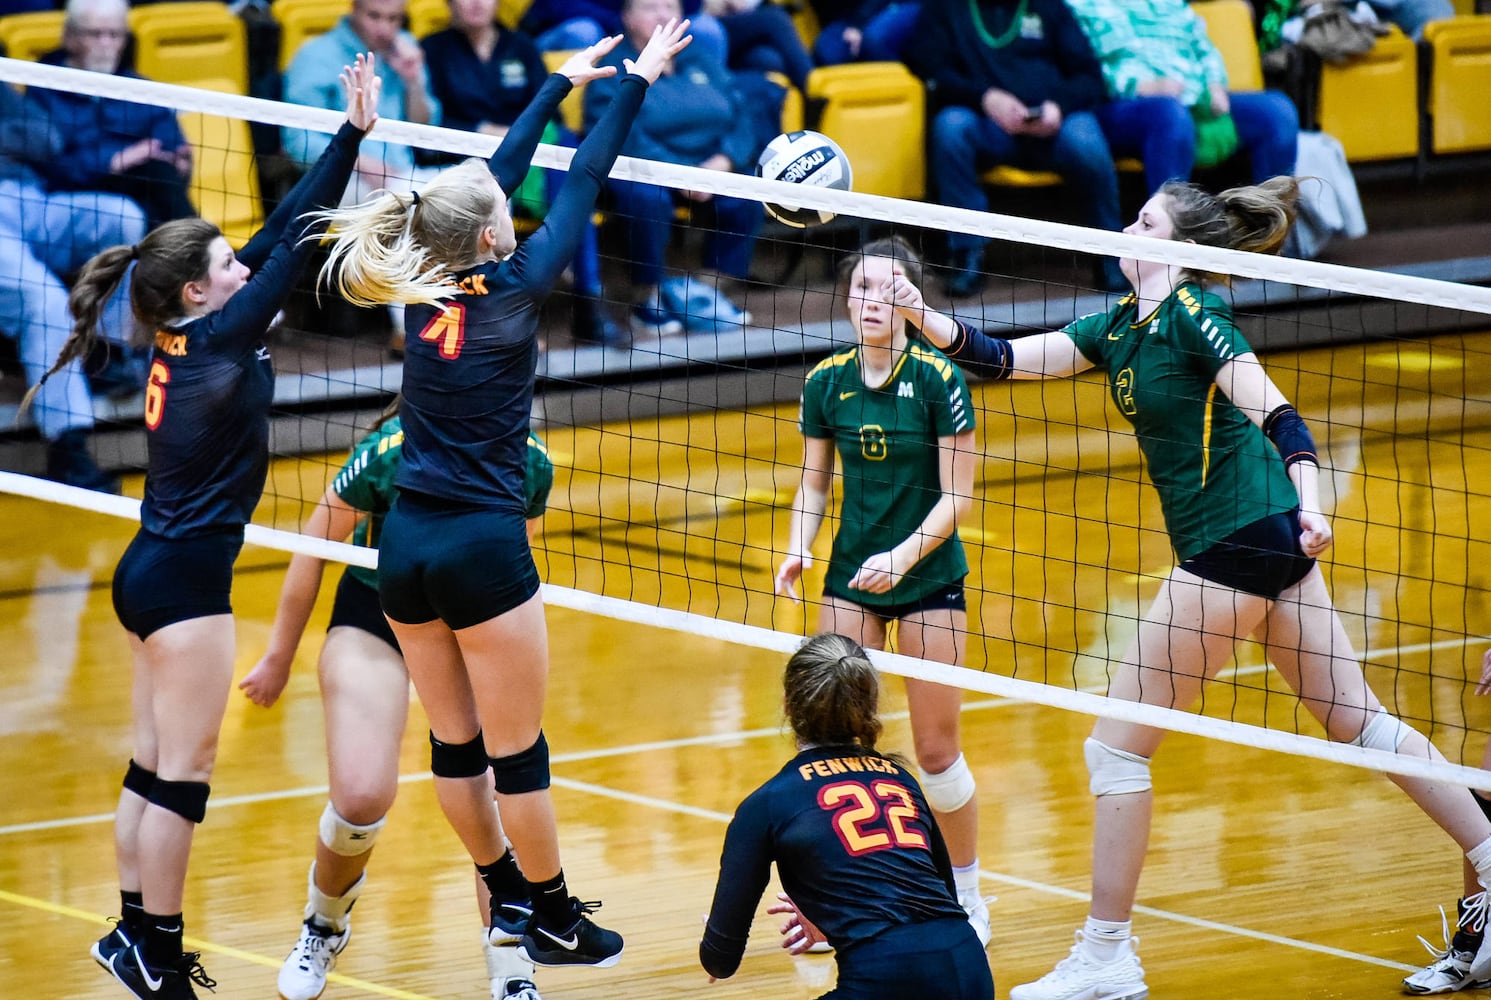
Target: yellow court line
72 913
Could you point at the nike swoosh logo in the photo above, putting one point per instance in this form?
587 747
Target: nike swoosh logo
845 395
150 981
568 944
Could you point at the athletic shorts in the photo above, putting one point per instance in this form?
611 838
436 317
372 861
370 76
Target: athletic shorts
1263 559
356 606
461 564
939 958
949 598
162 581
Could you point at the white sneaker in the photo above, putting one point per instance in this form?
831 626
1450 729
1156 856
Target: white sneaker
303 976
1450 970
510 973
1078 977
977 908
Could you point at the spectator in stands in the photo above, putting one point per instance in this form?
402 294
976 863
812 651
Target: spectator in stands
136 150
863 30
1412 15
1011 82
558 25
1170 103
312 80
484 75
43 235
693 116
761 37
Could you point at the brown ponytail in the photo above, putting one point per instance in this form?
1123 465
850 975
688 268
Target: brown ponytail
1255 218
831 693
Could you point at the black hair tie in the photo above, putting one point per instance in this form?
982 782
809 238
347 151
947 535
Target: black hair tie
415 196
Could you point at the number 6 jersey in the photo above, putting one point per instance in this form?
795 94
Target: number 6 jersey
855 846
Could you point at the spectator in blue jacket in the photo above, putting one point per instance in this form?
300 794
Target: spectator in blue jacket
313 80
136 150
694 116
863 30
1012 82
484 75
44 234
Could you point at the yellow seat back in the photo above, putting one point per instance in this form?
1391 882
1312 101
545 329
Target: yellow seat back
1371 102
1229 25
1460 84
225 178
31 36
302 20
876 112
427 17
190 42
572 108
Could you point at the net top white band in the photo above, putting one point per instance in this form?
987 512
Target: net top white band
1334 277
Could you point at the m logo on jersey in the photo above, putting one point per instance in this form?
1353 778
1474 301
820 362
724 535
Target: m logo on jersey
906 391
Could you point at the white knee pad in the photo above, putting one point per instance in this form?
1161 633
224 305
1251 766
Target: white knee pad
1383 732
949 790
347 839
1115 772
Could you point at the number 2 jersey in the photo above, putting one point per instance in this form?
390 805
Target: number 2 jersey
855 846
1213 467
366 483
887 440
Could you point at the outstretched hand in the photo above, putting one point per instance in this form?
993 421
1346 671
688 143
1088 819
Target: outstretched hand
581 67
667 41
364 90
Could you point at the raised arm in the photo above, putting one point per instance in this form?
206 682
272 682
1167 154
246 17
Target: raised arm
807 513
548 251
1248 386
333 519
1046 355
957 461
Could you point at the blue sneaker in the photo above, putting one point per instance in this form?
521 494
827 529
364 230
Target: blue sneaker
583 942
704 308
652 317
509 922
116 942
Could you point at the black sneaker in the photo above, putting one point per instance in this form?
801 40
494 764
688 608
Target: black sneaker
111 944
584 942
509 921
150 983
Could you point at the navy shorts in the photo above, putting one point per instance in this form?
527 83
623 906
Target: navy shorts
161 581
949 598
936 960
461 564
1263 559
356 606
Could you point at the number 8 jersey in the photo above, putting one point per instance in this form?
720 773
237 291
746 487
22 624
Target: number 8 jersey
855 846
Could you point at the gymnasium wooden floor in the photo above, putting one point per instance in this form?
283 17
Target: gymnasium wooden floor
1269 876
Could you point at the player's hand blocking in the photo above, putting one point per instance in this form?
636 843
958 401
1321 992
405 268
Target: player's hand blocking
364 90
666 42
581 67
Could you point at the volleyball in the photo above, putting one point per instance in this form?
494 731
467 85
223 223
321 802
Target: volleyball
808 158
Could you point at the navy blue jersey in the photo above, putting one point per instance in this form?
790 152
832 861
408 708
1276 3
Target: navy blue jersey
211 380
855 846
469 362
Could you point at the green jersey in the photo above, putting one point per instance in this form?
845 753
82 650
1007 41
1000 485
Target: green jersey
887 440
366 483
1214 469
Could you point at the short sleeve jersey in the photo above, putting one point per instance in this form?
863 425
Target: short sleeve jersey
887 441
1214 469
366 483
855 846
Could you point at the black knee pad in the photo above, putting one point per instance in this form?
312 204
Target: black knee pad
139 780
527 771
187 799
458 760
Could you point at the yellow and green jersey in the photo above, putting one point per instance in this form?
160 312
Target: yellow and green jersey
1214 469
366 483
887 441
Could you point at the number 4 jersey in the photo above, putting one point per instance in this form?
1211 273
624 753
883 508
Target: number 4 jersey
855 846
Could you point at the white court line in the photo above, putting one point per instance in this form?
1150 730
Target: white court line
709 739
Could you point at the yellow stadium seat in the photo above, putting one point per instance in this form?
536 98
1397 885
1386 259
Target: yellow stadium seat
190 42
427 17
1229 25
877 113
510 12
31 36
225 179
1459 102
572 109
1371 102
301 20
805 18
